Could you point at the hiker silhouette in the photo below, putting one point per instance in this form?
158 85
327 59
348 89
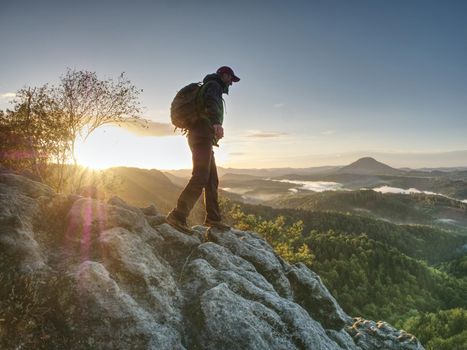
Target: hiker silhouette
203 133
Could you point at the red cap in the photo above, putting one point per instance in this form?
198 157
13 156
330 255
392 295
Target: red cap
228 70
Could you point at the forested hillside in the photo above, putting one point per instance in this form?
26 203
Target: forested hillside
419 208
418 241
374 268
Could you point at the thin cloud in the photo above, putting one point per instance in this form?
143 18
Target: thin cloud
8 95
316 186
278 105
328 132
148 128
237 153
263 134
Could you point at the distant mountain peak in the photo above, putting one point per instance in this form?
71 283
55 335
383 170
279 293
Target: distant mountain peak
369 166
367 159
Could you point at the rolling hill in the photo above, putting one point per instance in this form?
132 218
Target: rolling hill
369 166
432 244
143 187
417 208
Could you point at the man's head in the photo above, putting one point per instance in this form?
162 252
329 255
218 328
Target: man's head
227 75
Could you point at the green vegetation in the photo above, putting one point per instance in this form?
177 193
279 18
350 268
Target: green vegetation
417 208
443 330
373 268
285 239
432 244
456 267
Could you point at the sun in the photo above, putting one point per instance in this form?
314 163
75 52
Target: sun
111 146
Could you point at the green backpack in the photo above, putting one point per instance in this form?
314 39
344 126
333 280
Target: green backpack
185 107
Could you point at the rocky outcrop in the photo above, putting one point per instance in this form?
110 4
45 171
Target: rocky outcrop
370 335
112 276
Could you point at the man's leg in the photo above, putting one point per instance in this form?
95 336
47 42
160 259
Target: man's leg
201 156
211 195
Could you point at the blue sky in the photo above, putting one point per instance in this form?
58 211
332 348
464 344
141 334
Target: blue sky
319 78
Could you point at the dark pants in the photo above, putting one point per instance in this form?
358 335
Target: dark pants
204 175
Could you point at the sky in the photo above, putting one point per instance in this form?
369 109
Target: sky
321 81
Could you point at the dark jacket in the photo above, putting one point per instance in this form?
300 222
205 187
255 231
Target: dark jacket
211 107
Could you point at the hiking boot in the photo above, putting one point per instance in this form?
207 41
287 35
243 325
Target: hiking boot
217 224
178 224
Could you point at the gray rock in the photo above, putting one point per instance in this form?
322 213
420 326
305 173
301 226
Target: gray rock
130 281
17 212
249 324
310 292
252 248
150 210
89 217
342 338
177 246
215 266
25 186
201 232
370 335
156 220
118 202
113 319
142 273
21 249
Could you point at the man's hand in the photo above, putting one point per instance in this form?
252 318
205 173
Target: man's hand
218 131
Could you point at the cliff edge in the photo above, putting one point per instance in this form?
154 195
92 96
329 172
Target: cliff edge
85 274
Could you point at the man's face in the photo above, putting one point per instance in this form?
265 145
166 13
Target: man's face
226 78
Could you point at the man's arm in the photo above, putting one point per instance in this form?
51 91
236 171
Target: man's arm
213 103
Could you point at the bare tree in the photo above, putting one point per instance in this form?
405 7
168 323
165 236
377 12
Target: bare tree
40 133
86 102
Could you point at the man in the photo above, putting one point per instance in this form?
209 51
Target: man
202 136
